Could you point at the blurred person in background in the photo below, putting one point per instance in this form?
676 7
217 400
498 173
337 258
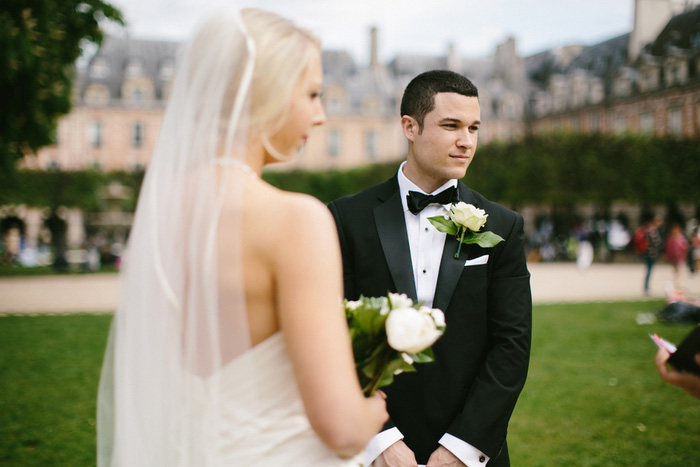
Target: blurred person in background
648 243
676 249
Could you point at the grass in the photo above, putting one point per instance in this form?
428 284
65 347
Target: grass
593 397
49 370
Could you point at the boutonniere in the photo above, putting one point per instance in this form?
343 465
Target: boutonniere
464 222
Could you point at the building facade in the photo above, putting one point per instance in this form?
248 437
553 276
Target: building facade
121 94
647 81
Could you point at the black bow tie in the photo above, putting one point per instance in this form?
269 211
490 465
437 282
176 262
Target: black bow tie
418 201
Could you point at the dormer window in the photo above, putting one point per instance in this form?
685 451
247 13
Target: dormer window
134 68
99 69
167 70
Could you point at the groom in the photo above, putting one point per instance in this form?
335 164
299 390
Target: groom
455 409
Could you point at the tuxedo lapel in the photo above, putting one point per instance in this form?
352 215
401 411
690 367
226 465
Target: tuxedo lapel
391 228
451 267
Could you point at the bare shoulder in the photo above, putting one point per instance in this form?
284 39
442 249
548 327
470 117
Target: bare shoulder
290 215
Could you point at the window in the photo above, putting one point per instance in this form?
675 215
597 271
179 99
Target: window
97 94
620 124
167 70
594 122
576 123
134 68
647 122
675 121
137 134
371 144
333 143
334 105
94 133
99 68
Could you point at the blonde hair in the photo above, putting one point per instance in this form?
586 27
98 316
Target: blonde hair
284 52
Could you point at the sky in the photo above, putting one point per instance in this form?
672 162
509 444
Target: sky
423 27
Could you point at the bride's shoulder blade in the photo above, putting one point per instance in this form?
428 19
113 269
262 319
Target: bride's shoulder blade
289 219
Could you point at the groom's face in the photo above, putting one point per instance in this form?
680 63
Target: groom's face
446 145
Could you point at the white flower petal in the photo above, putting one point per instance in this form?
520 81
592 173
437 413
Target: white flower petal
438 316
409 330
400 301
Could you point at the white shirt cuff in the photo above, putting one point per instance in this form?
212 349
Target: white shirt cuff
380 442
468 454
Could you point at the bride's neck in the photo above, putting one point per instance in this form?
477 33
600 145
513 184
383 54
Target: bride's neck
255 155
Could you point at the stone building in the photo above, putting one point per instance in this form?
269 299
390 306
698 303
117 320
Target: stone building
646 81
121 94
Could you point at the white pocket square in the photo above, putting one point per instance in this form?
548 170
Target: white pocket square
477 261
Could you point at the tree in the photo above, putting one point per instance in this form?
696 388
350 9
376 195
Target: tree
40 41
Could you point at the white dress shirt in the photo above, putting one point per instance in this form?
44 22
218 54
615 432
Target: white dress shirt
426 244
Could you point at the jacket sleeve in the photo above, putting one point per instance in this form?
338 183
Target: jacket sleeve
348 268
491 399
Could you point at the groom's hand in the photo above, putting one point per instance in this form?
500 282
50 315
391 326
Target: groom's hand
442 457
396 455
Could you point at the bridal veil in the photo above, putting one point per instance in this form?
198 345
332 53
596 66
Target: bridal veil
174 328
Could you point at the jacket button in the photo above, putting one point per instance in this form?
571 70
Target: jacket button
482 459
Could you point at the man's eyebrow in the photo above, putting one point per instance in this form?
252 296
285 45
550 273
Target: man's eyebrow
456 120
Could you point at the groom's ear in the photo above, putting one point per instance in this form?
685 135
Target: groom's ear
410 128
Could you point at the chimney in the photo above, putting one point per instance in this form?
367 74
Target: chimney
453 61
374 48
650 17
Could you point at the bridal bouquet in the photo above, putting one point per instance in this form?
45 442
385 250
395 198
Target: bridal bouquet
389 334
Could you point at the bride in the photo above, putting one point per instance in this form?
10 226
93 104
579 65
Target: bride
229 345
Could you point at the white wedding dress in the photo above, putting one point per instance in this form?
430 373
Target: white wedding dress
263 422
166 398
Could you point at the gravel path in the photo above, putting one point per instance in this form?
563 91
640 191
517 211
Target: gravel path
551 283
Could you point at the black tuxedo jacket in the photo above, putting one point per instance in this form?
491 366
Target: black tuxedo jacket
481 361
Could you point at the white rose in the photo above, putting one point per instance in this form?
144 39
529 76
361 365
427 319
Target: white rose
400 301
468 215
438 317
353 304
385 306
409 330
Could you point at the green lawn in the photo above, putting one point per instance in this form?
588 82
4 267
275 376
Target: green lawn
15 270
593 397
49 370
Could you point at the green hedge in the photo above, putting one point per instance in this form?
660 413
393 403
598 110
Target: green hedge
560 169
53 188
572 168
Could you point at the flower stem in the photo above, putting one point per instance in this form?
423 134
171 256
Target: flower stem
372 385
461 239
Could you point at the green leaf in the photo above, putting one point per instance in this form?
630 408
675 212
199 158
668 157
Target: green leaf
484 239
425 356
444 225
387 376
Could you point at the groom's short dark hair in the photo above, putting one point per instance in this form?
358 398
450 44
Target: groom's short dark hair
419 97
